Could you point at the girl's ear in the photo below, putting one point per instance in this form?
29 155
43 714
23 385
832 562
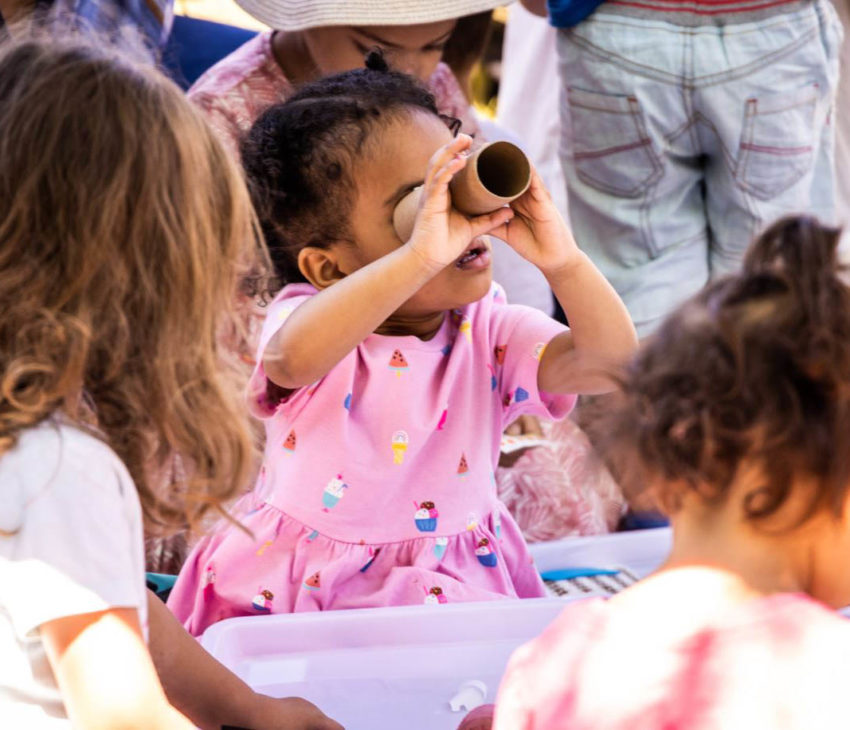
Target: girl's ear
320 266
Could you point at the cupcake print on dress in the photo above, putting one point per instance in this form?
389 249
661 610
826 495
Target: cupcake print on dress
333 493
263 601
436 596
426 517
485 553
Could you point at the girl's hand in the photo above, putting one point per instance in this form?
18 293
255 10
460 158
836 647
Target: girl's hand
441 234
537 232
290 713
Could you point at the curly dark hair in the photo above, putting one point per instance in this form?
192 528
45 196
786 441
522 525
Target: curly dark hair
299 155
754 370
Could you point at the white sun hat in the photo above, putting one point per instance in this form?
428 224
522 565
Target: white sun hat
301 14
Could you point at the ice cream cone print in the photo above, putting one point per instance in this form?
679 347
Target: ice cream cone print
333 493
440 545
263 547
289 444
466 329
499 352
471 521
462 467
539 349
209 584
398 363
312 583
399 446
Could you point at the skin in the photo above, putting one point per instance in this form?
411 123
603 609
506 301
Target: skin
12 9
721 558
310 54
153 689
377 283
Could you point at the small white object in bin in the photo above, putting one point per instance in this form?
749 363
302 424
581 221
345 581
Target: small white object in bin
470 695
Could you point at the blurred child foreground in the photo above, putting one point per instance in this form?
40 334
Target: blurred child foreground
737 416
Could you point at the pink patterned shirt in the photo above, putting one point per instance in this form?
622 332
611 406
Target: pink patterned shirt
234 92
400 439
776 663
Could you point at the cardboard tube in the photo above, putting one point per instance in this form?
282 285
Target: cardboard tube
495 174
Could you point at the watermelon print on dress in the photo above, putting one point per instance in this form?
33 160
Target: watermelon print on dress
289 444
398 363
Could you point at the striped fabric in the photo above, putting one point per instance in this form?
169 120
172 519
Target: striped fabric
567 13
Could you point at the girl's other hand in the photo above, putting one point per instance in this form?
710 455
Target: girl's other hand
290 713
537 232
441 234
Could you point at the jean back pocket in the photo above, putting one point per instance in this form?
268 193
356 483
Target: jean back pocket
612 150
777 142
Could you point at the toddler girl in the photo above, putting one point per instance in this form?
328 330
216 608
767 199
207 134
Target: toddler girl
124 231
737 414
387 369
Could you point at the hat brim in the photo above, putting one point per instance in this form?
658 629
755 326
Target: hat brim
302 14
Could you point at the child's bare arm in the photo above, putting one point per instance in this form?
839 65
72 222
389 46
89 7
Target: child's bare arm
105 673
601 334
601 337
332 323
209 693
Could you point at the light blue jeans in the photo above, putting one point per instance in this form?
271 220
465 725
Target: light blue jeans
681 143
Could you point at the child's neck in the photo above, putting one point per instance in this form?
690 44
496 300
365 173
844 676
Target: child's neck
292 55
425 327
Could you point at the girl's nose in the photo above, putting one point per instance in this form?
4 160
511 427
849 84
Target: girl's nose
409 63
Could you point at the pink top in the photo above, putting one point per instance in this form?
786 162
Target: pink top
400 439
781 662
234 92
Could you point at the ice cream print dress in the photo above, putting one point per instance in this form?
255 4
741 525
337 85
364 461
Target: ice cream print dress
377 482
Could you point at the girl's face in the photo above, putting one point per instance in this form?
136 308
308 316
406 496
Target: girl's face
395 166
413 49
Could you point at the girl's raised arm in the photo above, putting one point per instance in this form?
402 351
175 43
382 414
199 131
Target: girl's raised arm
332 323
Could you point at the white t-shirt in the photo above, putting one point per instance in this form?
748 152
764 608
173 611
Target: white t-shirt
77 547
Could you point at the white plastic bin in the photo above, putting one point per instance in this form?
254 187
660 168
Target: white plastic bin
397 668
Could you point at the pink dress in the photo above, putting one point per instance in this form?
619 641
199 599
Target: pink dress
378 480
234 92
777 663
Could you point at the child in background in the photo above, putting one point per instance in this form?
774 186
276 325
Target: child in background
737 414
125 231
388 370
325 37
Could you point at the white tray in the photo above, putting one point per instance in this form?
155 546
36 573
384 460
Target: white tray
397 668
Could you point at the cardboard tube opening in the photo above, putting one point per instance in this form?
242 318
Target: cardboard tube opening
504 170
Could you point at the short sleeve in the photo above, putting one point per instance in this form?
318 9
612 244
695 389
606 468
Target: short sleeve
520 335
261 400
223 120
78 547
